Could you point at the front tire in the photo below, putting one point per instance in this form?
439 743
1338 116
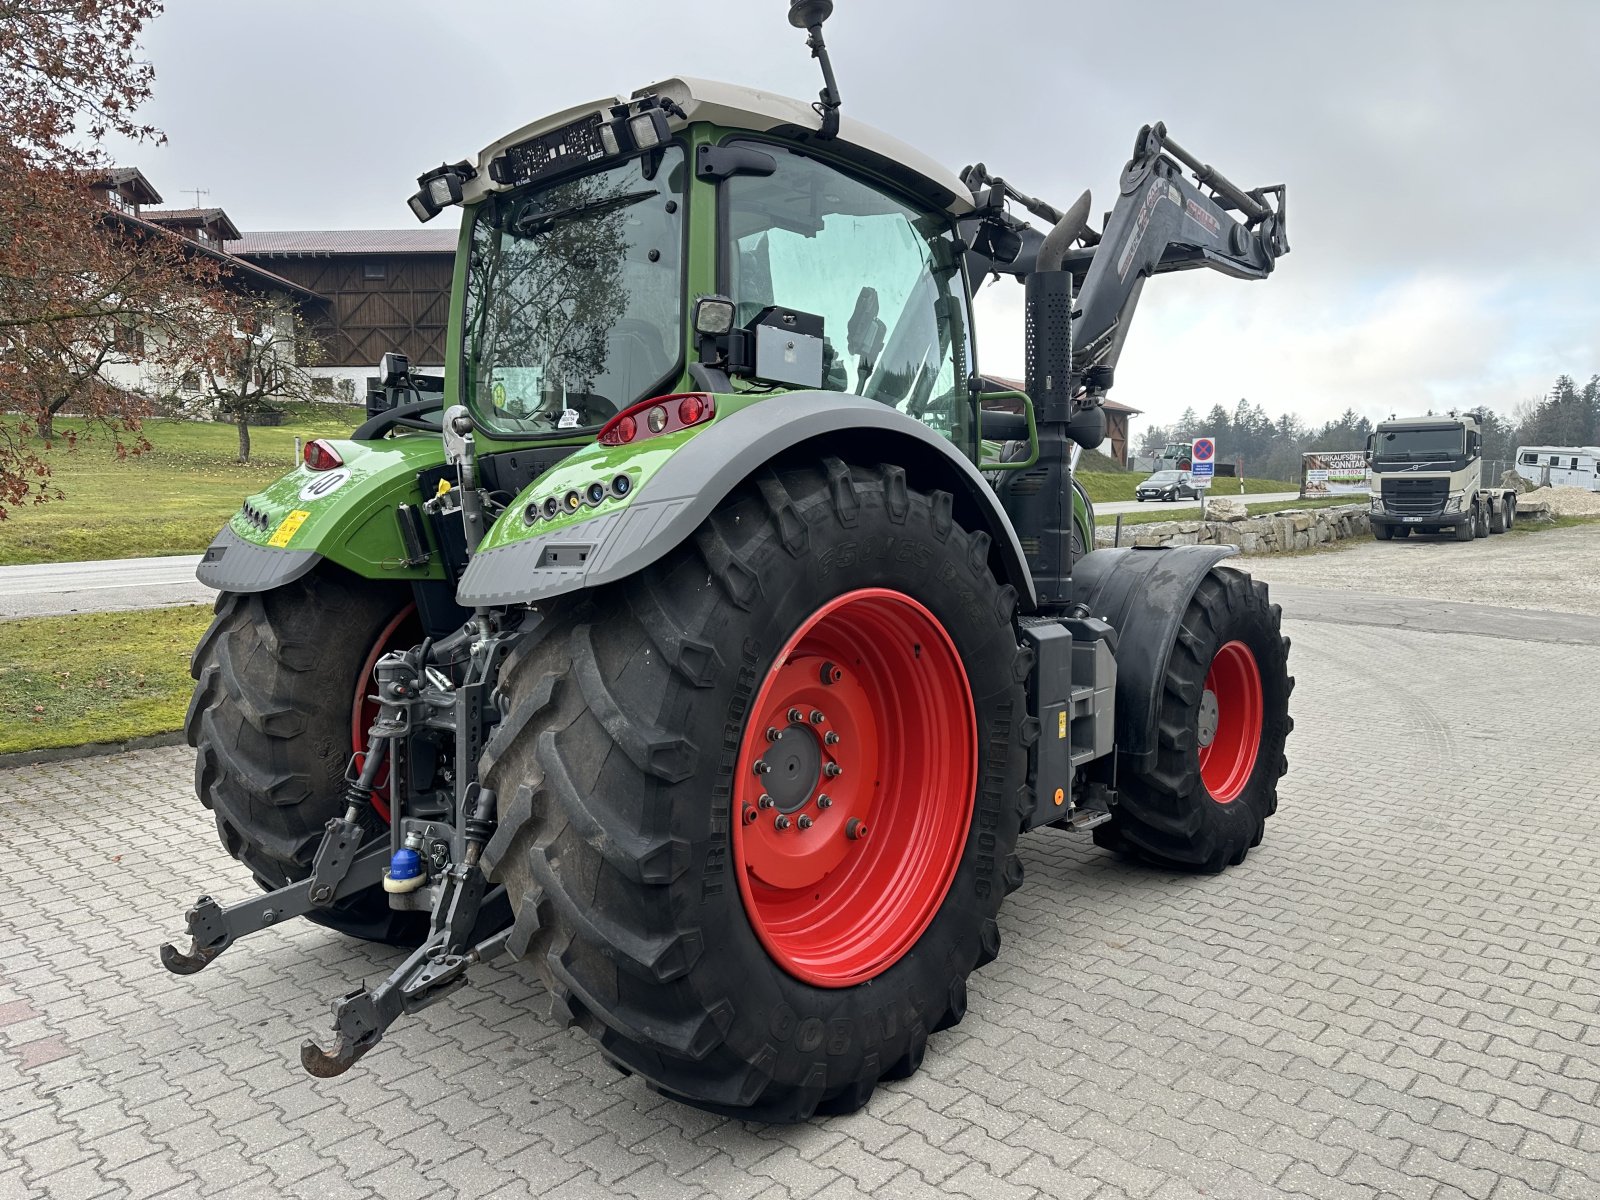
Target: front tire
1222 723
745 968
277 677
1383 532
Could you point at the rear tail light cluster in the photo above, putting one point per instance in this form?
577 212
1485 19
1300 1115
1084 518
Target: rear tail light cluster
320 456
663 414
592 496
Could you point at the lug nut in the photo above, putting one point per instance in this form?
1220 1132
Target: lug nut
772 734
762 766
766 801
782 822
831 738
831 674
824 801
833 770
805 822
855 829
816 717
750 815
796 716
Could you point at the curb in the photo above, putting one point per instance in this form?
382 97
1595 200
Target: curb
28 758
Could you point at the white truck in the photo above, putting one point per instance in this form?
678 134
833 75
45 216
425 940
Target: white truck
1560 466
1427 477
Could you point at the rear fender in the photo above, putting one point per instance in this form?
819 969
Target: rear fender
519 564
1142 594
346 515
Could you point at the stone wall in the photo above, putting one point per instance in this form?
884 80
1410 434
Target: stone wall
1273 533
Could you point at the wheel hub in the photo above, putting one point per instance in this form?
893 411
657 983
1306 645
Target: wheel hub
793 768
1208 717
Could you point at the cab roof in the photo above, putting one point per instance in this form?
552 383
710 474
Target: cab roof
759 112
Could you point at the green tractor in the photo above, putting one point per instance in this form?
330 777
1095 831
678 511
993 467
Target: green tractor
708 635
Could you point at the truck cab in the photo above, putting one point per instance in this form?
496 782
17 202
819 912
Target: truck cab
1427 475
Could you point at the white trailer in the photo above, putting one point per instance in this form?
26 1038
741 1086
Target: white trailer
1560 466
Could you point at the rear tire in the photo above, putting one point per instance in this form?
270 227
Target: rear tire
270 719
623 772
1222 724
1497 518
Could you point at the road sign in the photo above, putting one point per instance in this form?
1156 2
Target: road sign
1205 450
1200 473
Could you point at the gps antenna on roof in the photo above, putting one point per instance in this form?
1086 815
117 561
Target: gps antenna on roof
809 15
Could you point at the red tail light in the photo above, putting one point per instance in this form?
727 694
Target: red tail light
661 414
320 456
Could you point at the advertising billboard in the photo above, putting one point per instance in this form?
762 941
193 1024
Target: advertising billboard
1334 473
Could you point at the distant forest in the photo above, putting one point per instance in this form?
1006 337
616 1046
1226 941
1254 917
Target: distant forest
1270 447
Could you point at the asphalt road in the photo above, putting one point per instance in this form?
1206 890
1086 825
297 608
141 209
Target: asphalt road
1393 996
1127 506
54 589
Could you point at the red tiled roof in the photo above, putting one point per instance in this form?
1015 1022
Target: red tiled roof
319 242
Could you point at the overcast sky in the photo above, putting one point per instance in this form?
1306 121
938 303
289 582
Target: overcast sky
1444 185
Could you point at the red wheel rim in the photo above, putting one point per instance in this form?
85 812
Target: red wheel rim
872 685
1230 722
401 630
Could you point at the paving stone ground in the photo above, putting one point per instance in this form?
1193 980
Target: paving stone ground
1394 996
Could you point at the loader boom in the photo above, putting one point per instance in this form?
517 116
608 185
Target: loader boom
1162 221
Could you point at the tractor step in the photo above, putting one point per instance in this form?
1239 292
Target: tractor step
1081 820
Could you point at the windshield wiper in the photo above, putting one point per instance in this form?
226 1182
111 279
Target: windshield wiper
533 224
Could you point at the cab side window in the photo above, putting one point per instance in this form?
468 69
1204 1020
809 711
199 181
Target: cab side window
882 275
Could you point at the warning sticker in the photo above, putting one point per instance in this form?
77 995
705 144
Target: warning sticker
1061 724
287 528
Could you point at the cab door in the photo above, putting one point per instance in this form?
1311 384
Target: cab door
883 274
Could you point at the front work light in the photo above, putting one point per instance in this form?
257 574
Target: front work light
713 316
648 129
422 207
441 187
445 190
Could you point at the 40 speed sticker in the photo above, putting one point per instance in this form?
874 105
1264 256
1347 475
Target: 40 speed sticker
325 484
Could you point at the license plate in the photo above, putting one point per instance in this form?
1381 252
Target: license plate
1412 520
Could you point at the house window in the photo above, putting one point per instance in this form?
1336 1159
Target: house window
374 269
128 341
190 382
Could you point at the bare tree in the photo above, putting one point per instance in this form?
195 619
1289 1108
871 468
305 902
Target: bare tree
265 348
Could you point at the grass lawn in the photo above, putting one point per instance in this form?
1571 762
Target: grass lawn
95 677
1165 513
1105 486
171 499
1538 524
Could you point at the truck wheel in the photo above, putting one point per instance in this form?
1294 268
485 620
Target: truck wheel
1480 521
1511 512
1401 531
1383 532
1497 518
1467 529
281 678
758 803
1223 720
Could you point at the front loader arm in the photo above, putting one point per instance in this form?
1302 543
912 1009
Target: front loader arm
1162 222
